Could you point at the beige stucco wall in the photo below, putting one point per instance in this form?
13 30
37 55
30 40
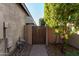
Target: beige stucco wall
28 34
14 17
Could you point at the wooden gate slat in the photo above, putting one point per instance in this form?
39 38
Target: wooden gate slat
38 35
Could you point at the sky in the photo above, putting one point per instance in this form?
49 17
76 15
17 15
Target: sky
36 10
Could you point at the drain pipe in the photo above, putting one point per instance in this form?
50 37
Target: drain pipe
4 37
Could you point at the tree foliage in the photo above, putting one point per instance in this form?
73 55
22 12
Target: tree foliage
41 22
58 15
61 14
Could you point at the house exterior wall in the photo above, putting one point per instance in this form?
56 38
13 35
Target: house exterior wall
14 17
28 34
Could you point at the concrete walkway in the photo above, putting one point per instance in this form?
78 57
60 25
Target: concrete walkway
38 50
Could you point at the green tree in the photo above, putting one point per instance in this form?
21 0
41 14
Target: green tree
41 22
57 16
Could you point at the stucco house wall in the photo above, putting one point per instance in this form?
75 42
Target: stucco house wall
14 17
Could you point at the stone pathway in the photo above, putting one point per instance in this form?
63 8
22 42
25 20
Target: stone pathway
38 50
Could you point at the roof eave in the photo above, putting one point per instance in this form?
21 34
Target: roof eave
27 11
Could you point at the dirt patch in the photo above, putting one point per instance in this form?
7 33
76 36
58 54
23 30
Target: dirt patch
71 51
54 50
62 50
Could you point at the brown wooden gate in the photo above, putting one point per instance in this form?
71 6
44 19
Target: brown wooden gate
38 35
